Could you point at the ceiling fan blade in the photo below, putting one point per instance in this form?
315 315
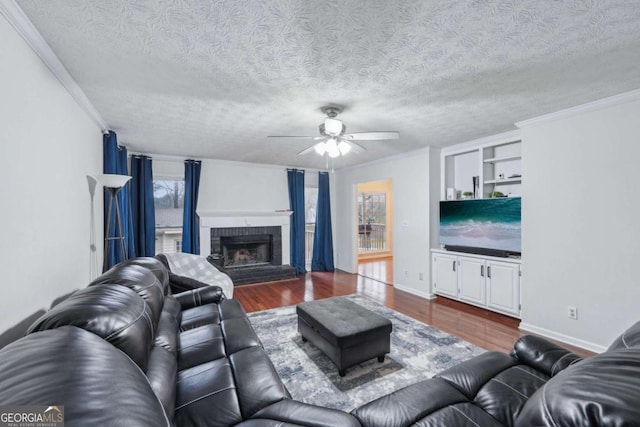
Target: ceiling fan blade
372 136
290 137
309 150
357 148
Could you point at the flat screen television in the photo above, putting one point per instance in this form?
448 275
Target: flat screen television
483 226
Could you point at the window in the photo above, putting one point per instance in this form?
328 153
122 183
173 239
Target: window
310 203
372 221
168 197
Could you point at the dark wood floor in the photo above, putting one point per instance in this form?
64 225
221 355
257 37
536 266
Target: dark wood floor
380 269
483 328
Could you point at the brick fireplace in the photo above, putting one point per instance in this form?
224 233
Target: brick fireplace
237 247
249 246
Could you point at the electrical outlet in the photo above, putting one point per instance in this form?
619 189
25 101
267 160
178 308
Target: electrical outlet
420 276
572 312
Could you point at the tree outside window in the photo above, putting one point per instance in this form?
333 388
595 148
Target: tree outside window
168 197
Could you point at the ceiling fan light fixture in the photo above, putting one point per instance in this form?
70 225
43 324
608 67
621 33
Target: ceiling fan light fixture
344 147
320 148
332 127
332 148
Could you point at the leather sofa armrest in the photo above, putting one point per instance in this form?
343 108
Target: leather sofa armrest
297 413
200 296
543 355
181 283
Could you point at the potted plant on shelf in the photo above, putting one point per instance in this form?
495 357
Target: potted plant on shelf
497 194
467 195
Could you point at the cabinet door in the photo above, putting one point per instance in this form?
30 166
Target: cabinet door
445 275
472 280
503 287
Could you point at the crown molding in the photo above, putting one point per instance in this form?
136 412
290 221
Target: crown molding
474 144
427 149
622 98
17 18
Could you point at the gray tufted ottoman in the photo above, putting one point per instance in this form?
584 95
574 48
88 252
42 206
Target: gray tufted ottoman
346 332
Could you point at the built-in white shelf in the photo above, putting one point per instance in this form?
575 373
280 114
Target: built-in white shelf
504 181
502 159
485 160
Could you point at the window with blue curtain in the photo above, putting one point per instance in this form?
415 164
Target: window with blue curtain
322 259
295 180
142 206
115 162
190 223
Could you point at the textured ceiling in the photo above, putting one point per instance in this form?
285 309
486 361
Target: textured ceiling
211 79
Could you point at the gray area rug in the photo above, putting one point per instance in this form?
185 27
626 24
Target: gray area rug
418 351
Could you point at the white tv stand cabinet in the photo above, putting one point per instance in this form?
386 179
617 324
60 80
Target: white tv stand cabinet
489 282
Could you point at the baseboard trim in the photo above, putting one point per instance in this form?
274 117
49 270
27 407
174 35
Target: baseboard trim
412 291
596 348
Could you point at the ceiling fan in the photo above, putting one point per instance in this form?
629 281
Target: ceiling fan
334 142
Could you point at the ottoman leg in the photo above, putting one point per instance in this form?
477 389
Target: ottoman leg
303 338
342 372
381 358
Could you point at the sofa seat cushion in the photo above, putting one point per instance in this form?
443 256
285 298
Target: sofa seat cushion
97 384
206 395
231 309
289 412
257 382
198 316
238 335
200 345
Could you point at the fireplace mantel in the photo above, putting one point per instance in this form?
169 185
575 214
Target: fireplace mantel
222 219
233 214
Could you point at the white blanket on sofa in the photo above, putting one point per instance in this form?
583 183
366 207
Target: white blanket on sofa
197 267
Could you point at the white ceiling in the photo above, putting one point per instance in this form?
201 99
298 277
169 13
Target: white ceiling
211 79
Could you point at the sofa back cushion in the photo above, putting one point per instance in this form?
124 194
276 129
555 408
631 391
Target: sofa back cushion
141 280
97 384
601 390
163 364
629 338
115 313
156 267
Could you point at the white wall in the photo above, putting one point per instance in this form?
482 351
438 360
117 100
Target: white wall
47 147
410 174
236 186
227 186
581 224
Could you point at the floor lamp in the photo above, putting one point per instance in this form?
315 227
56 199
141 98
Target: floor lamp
113 184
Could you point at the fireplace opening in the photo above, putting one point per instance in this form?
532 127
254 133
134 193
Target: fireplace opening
244 251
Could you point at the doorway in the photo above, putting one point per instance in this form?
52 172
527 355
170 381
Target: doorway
375 230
